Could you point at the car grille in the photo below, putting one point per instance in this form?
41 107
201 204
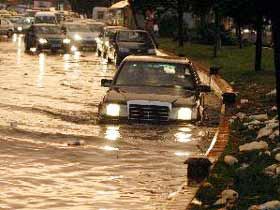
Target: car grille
148 113
55 41
89 42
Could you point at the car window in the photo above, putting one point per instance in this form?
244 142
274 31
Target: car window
45 19
110 33
133 36
95 28
156 74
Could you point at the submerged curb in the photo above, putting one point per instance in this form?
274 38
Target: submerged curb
220 140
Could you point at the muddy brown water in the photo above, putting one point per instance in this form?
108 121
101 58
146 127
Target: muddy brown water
47 101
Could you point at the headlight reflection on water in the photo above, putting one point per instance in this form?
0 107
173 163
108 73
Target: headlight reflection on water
109 148
112 133
42 63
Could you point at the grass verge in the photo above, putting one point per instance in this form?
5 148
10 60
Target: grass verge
238 69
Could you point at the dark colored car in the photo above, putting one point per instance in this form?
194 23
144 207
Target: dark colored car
106 34
40 37
153 89
129 42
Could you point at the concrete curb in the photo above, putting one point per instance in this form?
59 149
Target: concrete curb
220 140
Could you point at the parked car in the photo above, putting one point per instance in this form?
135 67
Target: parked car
80 35
153 89
107 34
6 27
129 42
40 37
21 24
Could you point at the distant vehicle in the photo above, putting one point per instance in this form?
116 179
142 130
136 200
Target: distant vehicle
45 17
40 37
154 90
129 42
21 24
6 27
107 34
4 13
100 14
80 35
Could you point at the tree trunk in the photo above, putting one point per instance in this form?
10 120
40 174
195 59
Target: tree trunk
239 34
217 44
259 27
276 39
180 22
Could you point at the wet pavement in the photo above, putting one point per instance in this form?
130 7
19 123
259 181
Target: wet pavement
48 103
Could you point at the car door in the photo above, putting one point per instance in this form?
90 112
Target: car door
5 25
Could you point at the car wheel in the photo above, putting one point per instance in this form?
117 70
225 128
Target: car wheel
10 33
98 53
108 59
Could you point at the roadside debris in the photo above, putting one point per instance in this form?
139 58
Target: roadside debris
270 205
230 160
75 142
262 145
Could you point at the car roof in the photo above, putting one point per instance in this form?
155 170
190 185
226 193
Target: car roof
159 59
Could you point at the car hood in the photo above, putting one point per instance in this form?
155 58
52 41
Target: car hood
134 45
51 36
84 35
176 96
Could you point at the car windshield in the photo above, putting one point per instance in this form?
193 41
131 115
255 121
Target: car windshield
133 36
45 19
14 20
48 30
77 28
95 27
156 74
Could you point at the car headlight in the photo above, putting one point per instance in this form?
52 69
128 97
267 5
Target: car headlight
66 41
113 110
19 28
42 41
125 50
152 51
77 37
185 114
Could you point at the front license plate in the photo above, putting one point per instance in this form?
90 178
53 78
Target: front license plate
56 45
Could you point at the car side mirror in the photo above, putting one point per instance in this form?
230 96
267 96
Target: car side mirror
204 88
106 82
214 70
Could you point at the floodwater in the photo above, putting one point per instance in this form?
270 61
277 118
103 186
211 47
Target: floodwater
47 102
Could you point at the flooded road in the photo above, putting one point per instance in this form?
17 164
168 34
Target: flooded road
49 102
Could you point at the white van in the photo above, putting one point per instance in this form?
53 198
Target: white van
45 17
100 14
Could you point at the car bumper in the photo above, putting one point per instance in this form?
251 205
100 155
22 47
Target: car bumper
87 45
50 46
